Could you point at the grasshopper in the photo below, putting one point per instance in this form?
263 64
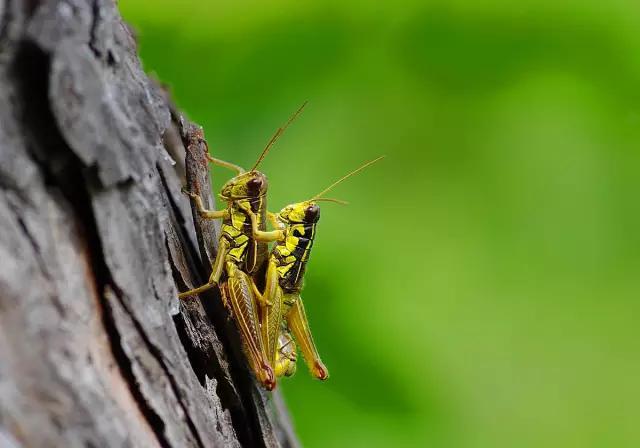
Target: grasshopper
282 307
240 256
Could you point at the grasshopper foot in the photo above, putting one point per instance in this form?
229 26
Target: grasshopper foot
320 371
267 378
191 194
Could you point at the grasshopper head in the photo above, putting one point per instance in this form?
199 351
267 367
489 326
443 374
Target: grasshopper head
307 212
251 184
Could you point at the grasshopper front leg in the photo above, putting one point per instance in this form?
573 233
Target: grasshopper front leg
203 212
275 222
299 326
261 235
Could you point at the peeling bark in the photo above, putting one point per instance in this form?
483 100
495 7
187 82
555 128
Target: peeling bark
95 239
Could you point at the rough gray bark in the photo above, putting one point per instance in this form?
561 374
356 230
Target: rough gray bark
95 239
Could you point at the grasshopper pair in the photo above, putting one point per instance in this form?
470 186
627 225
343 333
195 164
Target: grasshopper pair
268 320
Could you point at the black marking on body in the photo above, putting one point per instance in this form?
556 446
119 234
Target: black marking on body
292 280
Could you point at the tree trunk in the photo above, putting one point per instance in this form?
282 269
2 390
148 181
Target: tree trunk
96 239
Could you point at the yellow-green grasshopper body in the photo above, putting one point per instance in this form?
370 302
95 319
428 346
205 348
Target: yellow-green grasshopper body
282 307
240 256
285 274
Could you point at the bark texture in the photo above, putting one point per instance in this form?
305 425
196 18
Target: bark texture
95 240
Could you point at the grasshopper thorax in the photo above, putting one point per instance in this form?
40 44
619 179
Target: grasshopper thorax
251 184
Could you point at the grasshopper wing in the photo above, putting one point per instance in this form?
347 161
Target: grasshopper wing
244 307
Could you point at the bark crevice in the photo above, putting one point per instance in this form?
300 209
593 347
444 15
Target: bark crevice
124 364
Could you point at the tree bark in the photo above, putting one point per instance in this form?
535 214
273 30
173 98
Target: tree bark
95 241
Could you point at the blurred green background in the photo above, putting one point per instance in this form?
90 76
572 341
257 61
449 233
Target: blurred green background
482 288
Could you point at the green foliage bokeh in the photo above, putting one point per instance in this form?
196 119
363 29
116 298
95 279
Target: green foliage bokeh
482 288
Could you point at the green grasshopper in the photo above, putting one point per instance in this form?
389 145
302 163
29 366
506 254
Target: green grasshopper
282 307
241 256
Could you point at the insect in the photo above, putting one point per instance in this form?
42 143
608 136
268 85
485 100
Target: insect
282 307
241 256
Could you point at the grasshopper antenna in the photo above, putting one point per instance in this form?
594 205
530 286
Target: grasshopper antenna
335 201
342 179
277 135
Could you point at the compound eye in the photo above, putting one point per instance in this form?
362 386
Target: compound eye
254 186
312 213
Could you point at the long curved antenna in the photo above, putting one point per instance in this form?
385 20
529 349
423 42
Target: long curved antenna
336 201
277 135
345 177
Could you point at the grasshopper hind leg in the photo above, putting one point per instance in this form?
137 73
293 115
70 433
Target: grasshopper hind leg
299 326
271 313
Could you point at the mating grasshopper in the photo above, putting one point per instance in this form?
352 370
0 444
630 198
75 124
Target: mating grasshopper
282 307
241 256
